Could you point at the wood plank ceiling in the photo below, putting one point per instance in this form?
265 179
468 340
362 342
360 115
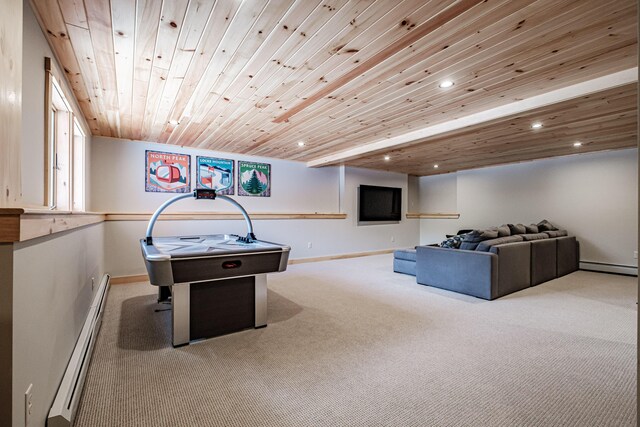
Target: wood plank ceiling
602 121
258 76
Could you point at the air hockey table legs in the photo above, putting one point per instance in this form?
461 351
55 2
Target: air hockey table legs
181 309
164 293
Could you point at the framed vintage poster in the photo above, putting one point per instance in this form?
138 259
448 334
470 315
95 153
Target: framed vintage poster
167 172
216 174
254 179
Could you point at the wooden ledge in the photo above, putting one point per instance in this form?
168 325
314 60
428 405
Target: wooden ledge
415 215
186 216
136 278
11 211
20 224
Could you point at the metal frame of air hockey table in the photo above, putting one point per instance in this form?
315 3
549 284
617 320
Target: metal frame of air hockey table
178 269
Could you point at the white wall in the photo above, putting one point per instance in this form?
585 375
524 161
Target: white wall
51 275
592 196
118 186
52 294
119 173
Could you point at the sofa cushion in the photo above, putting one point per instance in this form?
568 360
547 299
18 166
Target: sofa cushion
545 225
406 254
471 240
486 245
517 229
468 246
531 229
503 230
556 233
534 236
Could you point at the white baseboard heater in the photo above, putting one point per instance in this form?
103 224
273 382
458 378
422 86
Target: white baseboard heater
629 270
64 406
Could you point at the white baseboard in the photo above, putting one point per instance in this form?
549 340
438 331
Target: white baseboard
601 267
63 410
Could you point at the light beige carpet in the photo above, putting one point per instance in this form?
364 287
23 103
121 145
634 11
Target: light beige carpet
350 343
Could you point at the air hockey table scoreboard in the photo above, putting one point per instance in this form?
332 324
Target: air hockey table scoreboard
216 283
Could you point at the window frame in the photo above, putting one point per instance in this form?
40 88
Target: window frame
62 121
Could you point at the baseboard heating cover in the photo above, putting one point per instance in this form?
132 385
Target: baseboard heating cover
630 270
64 406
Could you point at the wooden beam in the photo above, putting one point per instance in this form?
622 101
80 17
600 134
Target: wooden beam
407 88
420 32
569 92
10 103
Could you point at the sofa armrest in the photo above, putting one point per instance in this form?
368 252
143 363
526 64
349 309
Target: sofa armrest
514 267
468 272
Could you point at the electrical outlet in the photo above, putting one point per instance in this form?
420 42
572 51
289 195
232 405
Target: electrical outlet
393 239
28 405
309 245
93 282
635 254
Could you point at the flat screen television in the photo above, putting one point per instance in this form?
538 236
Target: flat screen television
379 204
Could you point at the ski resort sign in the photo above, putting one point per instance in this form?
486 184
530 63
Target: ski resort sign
216 174
254 179
167 172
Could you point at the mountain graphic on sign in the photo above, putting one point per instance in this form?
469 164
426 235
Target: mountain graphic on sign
246 176
253 181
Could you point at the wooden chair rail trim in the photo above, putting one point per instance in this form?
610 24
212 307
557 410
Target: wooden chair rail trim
20 224
185 216
417 215
136 278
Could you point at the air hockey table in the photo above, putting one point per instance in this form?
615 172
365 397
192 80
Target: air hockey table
216 283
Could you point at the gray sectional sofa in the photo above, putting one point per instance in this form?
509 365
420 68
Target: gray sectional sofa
497 266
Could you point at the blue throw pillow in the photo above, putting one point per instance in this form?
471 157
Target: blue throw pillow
452 242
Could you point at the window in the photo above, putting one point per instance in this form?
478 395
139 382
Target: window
65 148
78 167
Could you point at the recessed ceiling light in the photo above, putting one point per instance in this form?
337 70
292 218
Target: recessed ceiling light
445 84
301 144
387 158
577 144
435 166
536 125
174 122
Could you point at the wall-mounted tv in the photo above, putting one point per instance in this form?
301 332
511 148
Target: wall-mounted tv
379 204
